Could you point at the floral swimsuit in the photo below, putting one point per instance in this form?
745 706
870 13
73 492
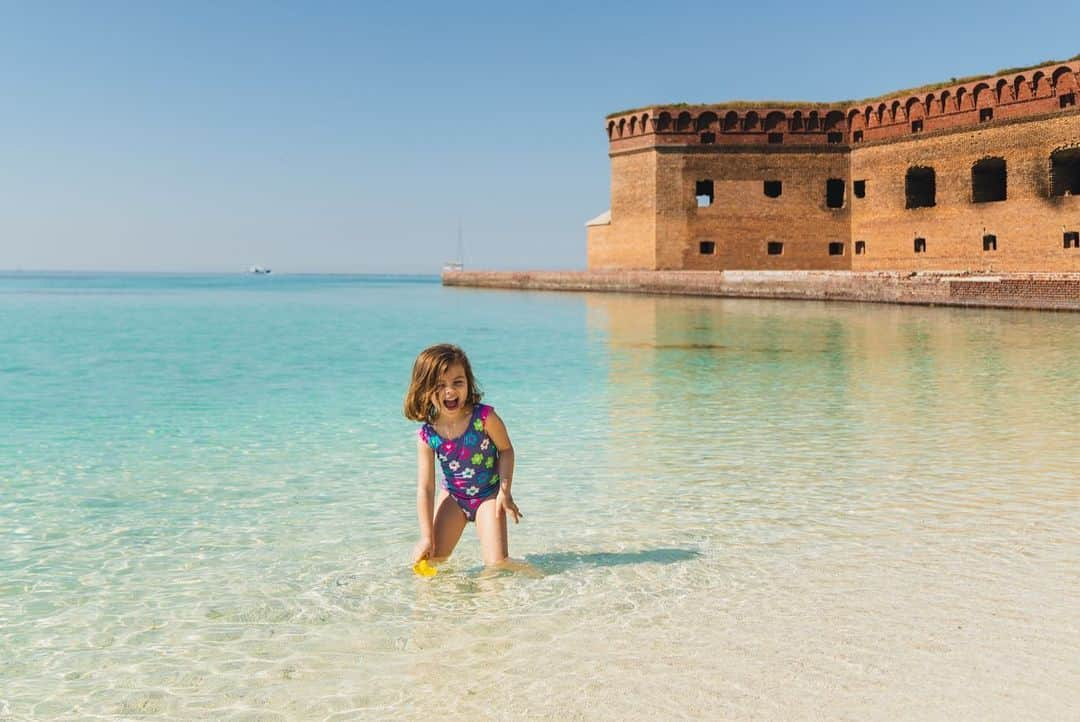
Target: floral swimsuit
470 462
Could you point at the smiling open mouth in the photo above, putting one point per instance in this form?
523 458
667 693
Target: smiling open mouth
451 405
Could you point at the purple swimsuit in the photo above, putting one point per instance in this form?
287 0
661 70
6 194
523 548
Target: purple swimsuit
470 462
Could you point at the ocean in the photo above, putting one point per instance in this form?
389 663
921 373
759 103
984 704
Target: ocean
735 508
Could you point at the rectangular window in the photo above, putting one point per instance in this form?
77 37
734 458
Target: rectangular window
857 136
835 137
708 138
836 248
920 188
920 245
834 193
1072 239
707 248
916 126
859 187
989 181
989 242
1066 100
860 248
776 137
775 248
703 191
773 188
986 114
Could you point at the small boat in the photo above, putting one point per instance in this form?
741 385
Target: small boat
259 270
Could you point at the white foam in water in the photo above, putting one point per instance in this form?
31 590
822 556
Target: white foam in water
738 509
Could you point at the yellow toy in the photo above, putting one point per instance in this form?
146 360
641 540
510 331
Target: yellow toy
424 569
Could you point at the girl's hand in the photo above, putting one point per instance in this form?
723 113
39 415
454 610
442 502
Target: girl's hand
505 503
424 549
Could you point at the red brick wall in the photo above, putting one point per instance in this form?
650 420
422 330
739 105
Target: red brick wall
658 153
1028 224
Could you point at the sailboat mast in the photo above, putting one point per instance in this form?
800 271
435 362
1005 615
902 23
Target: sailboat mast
460 245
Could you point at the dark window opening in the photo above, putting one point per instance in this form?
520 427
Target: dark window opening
1065 172
776 137
916 126
986 114
707 248
773 188
920 245
857 136
835 137
834 193
989 242
860 248
836 249
707 138
1072 239
775 248
703 190
919 188
988 181
859 187
1067 99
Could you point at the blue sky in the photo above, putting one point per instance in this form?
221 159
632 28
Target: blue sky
350 137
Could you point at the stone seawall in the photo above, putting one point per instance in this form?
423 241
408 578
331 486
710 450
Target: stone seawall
1045 291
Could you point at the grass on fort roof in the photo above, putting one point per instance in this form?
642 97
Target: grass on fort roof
744 104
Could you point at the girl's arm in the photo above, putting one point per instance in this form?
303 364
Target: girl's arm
425 499
505 500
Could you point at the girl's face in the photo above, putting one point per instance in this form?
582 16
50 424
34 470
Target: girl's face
451 391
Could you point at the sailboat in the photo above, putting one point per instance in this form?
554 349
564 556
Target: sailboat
459 264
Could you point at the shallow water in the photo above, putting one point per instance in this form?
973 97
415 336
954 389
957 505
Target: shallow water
741 509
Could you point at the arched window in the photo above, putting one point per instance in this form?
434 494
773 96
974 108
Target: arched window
731 120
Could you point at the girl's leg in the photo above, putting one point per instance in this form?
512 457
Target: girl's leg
449 523
491 529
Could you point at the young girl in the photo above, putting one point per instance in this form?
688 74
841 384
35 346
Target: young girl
470 442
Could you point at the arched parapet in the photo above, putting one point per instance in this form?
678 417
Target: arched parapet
1040 85
620 128
750 121
682 122
855 119
964 100
1021 88
796 124
775 121
914 109
1064 80
731 121
1002 92
882 114
663 122
633 125
813 121
611 130
947 102
982 97
931 106
645 123
707 120
834 121
896 112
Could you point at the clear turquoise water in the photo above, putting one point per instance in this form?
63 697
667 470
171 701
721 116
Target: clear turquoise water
740 509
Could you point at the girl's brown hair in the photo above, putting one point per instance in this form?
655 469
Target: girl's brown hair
432 363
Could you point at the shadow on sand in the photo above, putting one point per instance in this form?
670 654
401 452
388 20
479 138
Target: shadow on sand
555 562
